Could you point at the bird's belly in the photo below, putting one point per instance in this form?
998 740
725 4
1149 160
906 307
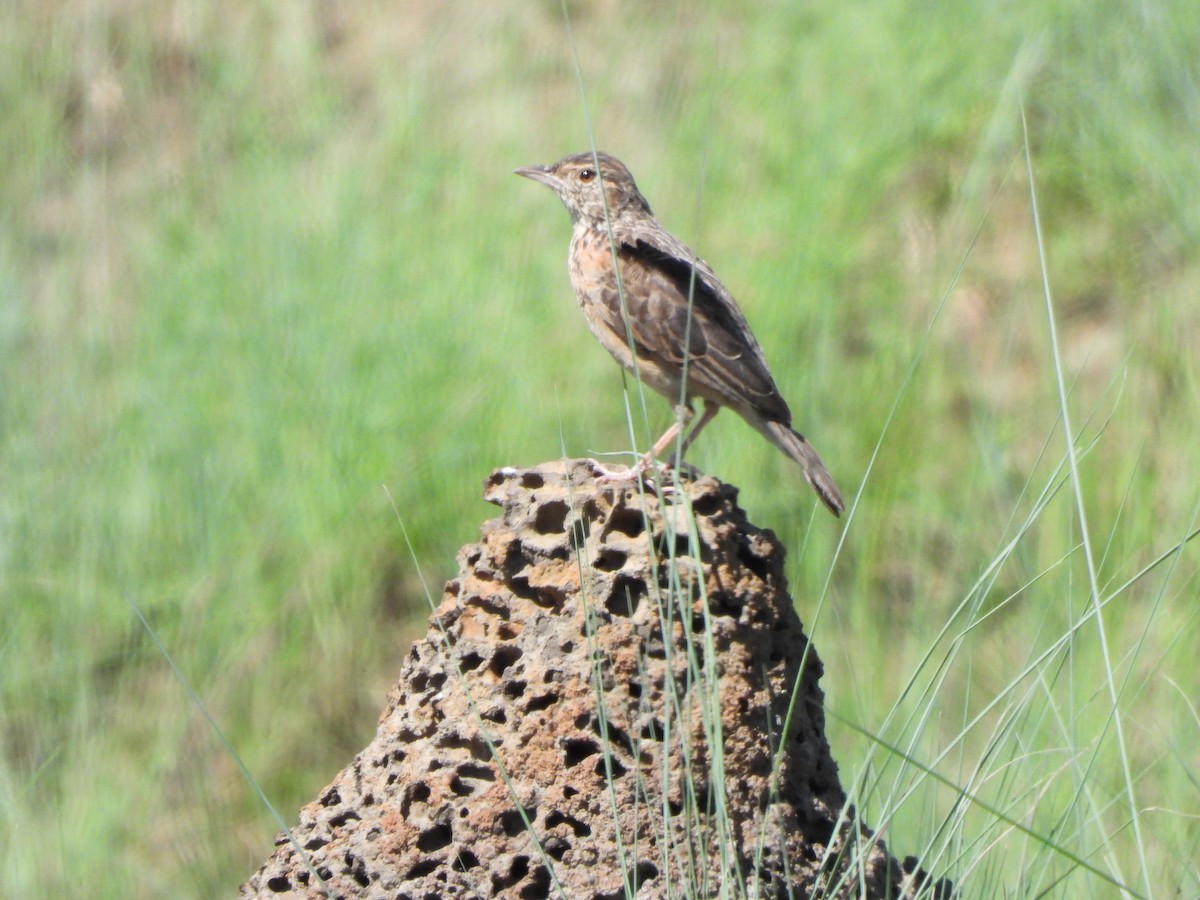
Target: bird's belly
621 348
595 283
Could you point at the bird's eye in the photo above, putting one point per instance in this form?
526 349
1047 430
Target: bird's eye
586 175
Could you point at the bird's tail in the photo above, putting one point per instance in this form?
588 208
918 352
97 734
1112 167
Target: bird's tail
795 446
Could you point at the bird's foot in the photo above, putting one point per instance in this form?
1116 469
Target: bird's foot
607 476
648 470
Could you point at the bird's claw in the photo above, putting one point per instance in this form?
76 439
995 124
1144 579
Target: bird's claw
649 471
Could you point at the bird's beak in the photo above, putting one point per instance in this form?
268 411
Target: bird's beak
540 173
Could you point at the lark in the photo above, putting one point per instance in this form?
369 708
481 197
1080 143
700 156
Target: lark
664 315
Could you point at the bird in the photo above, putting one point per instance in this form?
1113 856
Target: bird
663 314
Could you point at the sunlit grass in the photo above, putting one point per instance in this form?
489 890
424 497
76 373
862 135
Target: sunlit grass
256 264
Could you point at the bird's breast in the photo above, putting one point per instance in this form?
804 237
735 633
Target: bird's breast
590 263
616 321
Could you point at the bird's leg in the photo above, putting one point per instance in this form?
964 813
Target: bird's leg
683 415
710 411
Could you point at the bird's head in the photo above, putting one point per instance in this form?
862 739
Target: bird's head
588 184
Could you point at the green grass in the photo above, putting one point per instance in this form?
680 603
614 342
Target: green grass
257 263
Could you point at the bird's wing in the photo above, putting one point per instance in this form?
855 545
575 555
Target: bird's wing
660 274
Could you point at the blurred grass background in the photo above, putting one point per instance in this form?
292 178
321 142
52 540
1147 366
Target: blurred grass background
258 261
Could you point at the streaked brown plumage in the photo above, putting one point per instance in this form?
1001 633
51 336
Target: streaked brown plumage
654 321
